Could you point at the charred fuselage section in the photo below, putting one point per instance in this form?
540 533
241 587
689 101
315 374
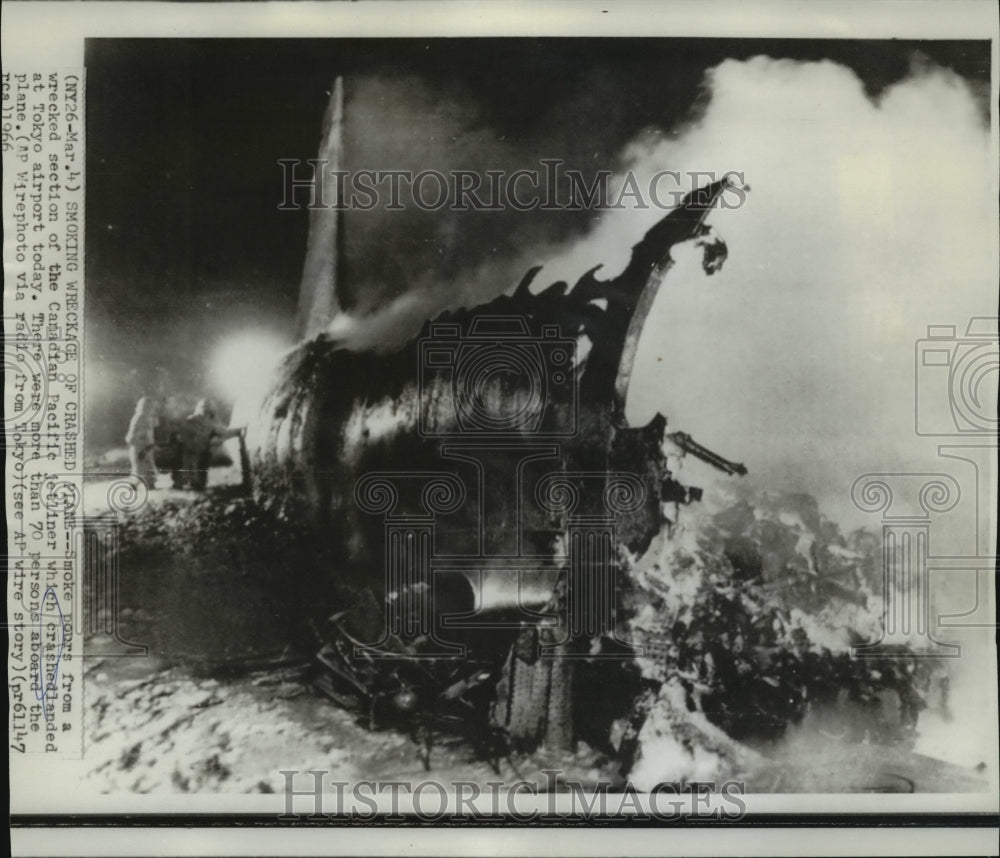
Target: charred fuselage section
493 451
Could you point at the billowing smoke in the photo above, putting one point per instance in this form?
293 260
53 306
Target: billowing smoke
868 219
407 264
444 257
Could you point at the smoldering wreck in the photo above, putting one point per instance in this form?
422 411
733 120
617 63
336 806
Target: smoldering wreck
482 487
462 541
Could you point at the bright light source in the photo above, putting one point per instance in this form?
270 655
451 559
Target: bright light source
242 366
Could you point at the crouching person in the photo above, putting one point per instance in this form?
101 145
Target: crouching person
201 431
141 440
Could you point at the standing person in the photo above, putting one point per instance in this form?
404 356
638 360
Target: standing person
202 429
169 447
141 441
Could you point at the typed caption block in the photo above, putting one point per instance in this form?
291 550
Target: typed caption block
43 209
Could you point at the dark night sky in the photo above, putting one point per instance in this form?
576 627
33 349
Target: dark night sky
184 239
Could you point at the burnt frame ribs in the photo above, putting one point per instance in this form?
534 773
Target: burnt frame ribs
335 418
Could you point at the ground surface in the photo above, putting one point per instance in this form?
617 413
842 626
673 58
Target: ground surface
169 730
152 728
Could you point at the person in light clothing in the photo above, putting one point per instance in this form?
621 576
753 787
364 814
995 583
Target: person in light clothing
141 441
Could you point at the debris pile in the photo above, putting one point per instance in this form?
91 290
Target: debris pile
410 690
216 580
742 640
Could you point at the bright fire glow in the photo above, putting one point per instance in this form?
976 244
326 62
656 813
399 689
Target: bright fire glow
242 365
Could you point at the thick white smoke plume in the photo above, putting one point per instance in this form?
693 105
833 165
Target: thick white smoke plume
867 222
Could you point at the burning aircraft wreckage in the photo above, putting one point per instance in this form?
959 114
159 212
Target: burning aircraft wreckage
462 529
482 487
483 477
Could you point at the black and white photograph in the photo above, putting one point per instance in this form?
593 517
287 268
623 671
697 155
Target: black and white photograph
527 429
